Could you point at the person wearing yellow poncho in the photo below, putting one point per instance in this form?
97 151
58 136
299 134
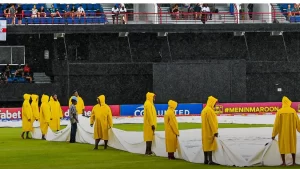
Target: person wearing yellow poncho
150 122
26 116
171 129
102 121
209 130
44 115
56 113
285 126
35 109
80 103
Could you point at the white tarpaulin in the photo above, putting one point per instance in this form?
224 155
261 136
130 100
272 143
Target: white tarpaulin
236 147
237 119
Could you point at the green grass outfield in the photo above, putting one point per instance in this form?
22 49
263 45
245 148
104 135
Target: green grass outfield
16 153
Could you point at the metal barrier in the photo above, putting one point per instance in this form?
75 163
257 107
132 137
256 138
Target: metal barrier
160 18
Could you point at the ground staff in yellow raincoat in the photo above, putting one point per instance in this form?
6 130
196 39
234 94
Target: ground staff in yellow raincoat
102 118
44 115
80 103
56 113
26 116
150 121
35 109
286 124
209 130
171 129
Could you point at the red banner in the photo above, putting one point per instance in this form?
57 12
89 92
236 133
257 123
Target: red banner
251 108
16 113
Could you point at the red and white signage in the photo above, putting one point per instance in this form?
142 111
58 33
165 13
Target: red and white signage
3 30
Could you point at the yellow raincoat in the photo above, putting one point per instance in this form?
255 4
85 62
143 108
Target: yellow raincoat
56 114
171 128
35 108
209 125
150 117
79 106
26 114
102 117
286 124
45 114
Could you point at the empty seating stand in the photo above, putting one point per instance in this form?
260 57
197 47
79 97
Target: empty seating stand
90 10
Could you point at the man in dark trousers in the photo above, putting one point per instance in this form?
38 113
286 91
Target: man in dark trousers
250 10
73 119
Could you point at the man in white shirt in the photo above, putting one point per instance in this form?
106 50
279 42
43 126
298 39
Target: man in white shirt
123 12
80 11
115 12
205 9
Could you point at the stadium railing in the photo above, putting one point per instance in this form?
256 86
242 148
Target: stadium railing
160 18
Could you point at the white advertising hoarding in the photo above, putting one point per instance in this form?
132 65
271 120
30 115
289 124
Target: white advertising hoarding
2 30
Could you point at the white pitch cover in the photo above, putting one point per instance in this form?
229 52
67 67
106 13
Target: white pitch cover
3 30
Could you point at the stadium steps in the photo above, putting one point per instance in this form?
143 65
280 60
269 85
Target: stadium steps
41 77
279 16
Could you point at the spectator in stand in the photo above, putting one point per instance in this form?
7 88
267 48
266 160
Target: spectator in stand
41 12
34 12
19 72
123 14
27 72
67 11
197 11
175 11
6 11
289 12
73 11
115 13
19 14
6 70
250 10
3 78
12 13
80 11
54 12
296 10
205 10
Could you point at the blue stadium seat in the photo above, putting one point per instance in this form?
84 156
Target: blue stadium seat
69 20
82 20
29 20
97 6
49 20
56 21
89 20
76 20
25 7
63 6
96 20
62 20
24 20
90 6
36 20
2 18
27 13
43 20
295 19
84 6
8 20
